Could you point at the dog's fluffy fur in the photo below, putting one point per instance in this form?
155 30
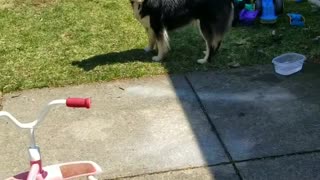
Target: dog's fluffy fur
214 18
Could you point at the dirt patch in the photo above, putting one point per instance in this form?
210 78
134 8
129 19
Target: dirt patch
9 4
39 2
316 60
6 4
0 101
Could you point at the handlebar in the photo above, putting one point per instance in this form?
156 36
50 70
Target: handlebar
78 102
69 102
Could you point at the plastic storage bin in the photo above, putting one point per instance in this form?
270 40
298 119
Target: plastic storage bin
289 63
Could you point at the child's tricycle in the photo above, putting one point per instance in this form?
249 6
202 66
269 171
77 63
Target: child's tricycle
61 171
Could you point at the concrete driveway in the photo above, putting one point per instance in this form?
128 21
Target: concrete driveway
246 123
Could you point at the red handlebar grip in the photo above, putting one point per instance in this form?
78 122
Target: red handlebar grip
78 102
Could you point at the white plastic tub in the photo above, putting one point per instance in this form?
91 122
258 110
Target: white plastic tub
289 63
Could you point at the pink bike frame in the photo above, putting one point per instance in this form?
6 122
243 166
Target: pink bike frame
35 171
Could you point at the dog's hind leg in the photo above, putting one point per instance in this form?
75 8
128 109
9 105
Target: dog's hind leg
152 40
162 42
216 42
151 35
213 32
219 29
207 34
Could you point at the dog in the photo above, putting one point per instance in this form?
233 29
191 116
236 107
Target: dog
214 19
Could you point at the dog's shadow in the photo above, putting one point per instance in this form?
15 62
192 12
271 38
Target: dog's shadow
112 58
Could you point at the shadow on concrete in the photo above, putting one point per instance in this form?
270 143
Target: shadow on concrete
252 112
261 115
213 152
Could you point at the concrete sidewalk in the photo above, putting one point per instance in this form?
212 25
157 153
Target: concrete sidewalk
246 123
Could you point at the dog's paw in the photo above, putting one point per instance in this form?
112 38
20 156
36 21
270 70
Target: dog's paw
202 61
147 49
156 58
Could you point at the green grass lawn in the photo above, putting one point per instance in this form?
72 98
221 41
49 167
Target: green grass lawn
50 43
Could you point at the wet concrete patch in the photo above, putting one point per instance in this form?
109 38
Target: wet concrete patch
259 113
296 167
0 100
223 172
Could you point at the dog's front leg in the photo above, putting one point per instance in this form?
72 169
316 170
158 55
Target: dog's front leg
162 45
152 40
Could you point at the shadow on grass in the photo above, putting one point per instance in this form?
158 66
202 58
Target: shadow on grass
111 58
186 47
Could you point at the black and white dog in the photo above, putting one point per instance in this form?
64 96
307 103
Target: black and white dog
157 16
